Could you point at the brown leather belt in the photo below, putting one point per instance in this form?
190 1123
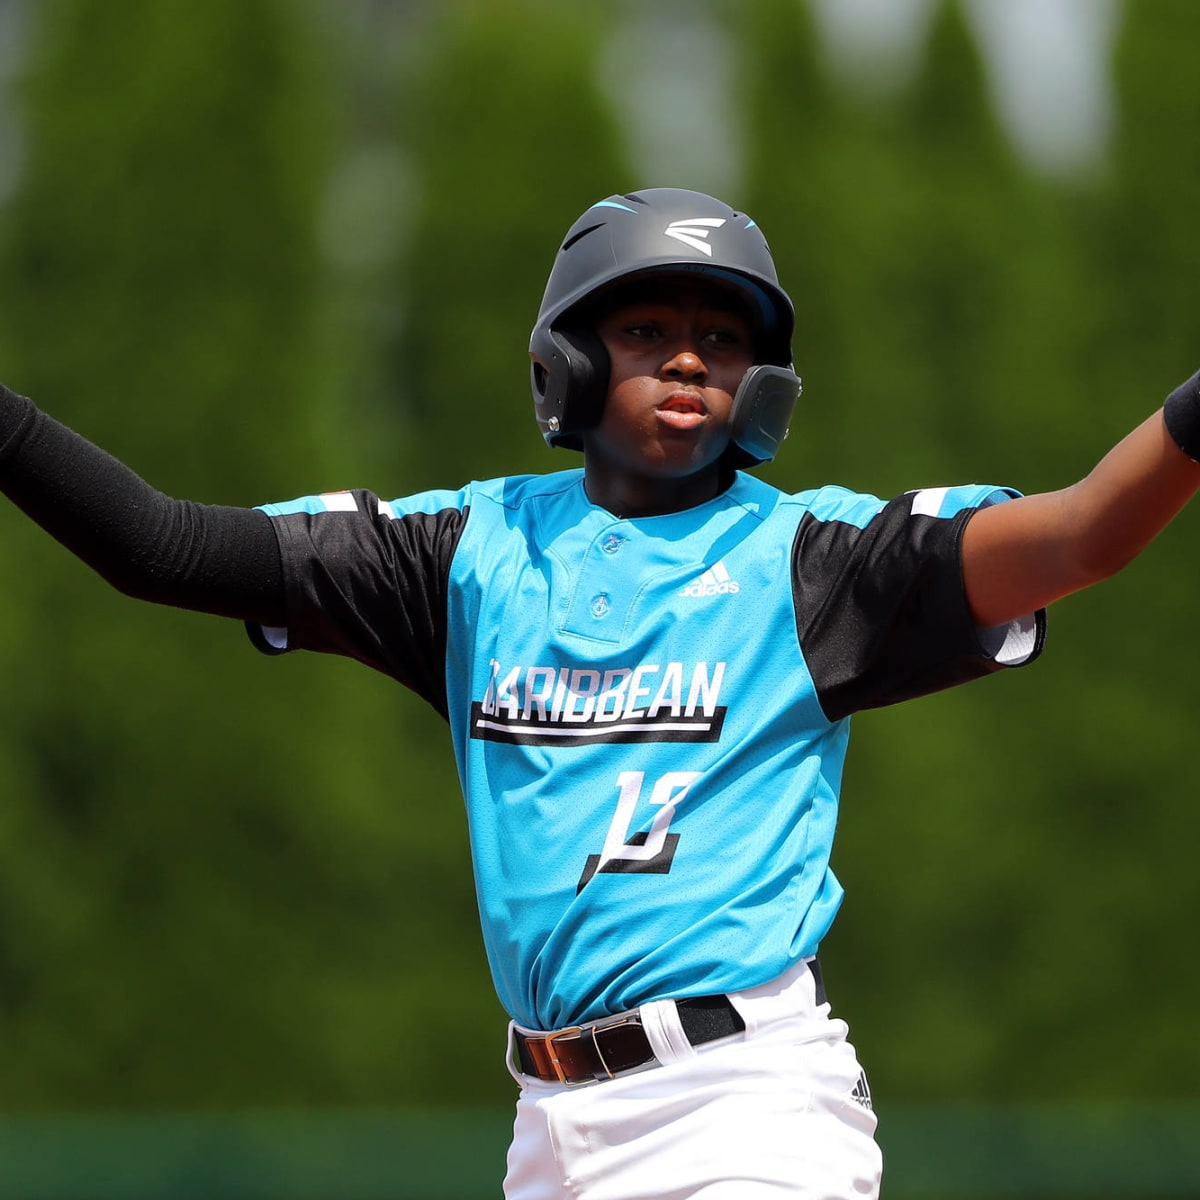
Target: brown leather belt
618 1045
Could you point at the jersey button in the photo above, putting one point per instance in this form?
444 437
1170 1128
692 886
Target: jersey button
612 543
600 605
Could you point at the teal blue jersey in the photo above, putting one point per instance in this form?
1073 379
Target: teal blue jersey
649 716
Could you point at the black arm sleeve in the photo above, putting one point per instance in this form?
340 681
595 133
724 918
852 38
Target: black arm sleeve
211 558
881 611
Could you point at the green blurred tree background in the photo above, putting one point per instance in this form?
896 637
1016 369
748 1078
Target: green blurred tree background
260 248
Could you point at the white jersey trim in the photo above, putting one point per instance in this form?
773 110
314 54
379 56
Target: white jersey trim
1011 645
276 636
928 502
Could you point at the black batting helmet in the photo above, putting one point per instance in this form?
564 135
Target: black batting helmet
656 231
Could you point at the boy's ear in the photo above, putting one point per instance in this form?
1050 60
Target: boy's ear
569 377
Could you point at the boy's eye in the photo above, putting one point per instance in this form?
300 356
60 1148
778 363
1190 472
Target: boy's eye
724 337
642 329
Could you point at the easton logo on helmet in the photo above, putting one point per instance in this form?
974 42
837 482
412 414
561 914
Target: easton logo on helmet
694 232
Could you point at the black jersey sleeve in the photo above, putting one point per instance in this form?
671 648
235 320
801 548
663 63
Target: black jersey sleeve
368 579
211 558
881 610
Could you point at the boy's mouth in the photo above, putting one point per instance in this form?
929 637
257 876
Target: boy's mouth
682 410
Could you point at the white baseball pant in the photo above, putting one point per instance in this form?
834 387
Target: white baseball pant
781 1110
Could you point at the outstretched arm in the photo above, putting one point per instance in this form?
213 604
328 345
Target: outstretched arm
1021 556
211 558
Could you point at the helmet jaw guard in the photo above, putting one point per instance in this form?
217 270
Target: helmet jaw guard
569 374
654 232
762 411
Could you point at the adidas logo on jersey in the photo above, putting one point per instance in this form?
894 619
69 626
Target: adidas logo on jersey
714 582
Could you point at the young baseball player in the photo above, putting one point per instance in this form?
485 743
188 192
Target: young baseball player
648 666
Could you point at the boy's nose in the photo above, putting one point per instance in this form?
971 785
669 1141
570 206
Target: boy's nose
685 364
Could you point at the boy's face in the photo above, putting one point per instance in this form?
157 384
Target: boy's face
678 348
